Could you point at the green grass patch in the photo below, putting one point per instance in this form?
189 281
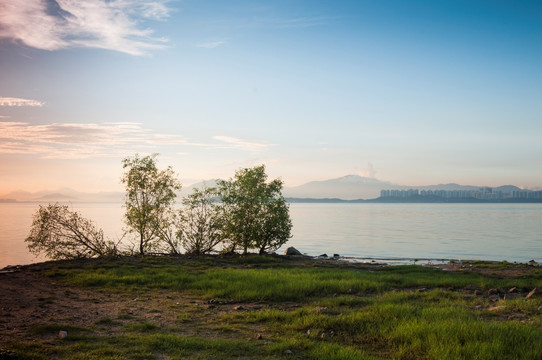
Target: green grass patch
285 283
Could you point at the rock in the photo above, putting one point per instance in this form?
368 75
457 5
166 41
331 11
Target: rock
292 251
531 293
323 256
62 334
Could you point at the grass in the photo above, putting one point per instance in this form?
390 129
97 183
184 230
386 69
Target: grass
306 310
276 283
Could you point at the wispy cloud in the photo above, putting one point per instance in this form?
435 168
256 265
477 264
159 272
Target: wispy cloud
10 101
58 24
211 45
76 141
80 141
369 171
254 146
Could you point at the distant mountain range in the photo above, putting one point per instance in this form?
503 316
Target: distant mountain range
353 187
349 187
64 195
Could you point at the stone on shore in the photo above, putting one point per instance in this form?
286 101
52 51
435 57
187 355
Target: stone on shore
292 251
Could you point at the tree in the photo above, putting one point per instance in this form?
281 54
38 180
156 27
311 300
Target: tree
254 213
64 234
150 194
199 227
276 226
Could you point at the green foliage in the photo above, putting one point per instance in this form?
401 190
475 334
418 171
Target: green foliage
254 213
64 234
150 193
199 228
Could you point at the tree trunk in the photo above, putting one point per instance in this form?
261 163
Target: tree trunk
141 248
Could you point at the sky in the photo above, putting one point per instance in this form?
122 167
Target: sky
411 92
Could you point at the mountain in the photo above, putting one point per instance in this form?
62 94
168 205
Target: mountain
353 187
348 187
507 188
186 190
65 195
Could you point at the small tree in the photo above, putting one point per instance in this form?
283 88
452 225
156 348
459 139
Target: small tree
150 193
199 228
64 234
254 213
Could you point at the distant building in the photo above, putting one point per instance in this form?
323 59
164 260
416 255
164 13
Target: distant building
483 193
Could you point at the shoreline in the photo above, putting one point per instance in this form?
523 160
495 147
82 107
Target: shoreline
376 261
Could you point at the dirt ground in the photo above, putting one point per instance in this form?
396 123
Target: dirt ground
29 298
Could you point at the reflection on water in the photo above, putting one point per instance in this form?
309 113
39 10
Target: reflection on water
510 232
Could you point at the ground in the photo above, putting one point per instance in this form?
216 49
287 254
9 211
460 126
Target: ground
38 300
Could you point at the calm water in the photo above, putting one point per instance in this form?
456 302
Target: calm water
510 232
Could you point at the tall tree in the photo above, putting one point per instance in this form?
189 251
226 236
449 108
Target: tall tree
254 213
150 194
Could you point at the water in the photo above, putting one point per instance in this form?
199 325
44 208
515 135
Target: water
511 232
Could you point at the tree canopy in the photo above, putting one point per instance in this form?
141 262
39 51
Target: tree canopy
254 212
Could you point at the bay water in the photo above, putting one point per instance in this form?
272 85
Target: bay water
363 232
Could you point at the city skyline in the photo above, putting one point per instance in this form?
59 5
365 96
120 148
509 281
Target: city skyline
413 93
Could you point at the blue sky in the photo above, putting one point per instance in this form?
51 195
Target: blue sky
412 92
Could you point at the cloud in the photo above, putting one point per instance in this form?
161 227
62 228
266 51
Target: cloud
59 24
211 45
9 101
369 171
253 146
80 141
